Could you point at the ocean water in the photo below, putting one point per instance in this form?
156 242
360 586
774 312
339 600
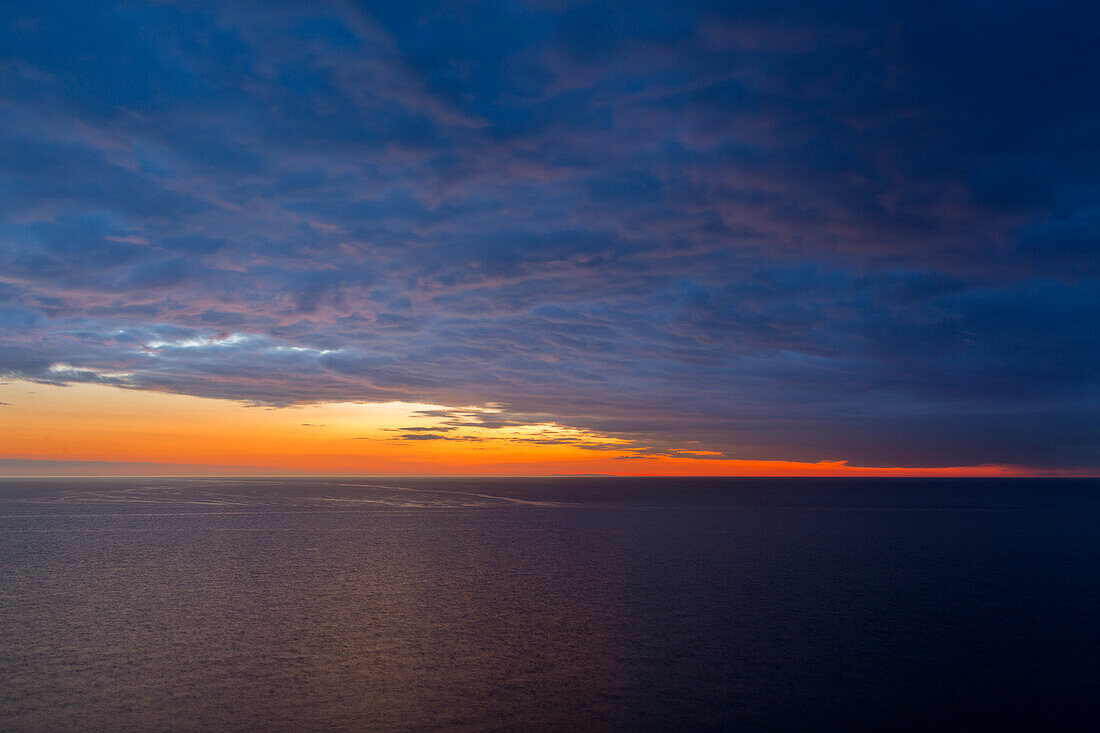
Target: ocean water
579 604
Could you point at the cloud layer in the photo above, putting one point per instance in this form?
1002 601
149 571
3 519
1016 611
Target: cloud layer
795 231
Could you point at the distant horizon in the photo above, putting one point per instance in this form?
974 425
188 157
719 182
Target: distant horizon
251 472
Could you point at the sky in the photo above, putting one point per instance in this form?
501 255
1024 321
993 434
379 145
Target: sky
536 237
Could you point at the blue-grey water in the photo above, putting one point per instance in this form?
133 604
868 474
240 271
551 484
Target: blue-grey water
549 604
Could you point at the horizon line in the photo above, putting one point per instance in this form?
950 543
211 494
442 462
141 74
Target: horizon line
1086 476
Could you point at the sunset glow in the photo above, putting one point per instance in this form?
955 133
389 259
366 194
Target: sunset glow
101 430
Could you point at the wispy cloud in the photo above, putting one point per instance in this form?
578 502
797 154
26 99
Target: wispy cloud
792 231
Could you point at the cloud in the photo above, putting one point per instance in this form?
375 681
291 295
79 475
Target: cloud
435 436
794 231
424 429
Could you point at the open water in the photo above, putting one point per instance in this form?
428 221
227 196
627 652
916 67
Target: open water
549 604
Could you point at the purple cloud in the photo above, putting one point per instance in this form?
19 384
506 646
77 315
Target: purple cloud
784 231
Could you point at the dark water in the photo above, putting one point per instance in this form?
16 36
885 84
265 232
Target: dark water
555 604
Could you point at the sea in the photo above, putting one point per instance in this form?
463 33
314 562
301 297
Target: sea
549 604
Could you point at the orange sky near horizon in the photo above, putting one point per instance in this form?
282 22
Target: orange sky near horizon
98 423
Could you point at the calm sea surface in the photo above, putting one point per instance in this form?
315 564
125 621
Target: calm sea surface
553 604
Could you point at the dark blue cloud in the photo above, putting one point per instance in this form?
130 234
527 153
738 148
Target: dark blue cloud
784 230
